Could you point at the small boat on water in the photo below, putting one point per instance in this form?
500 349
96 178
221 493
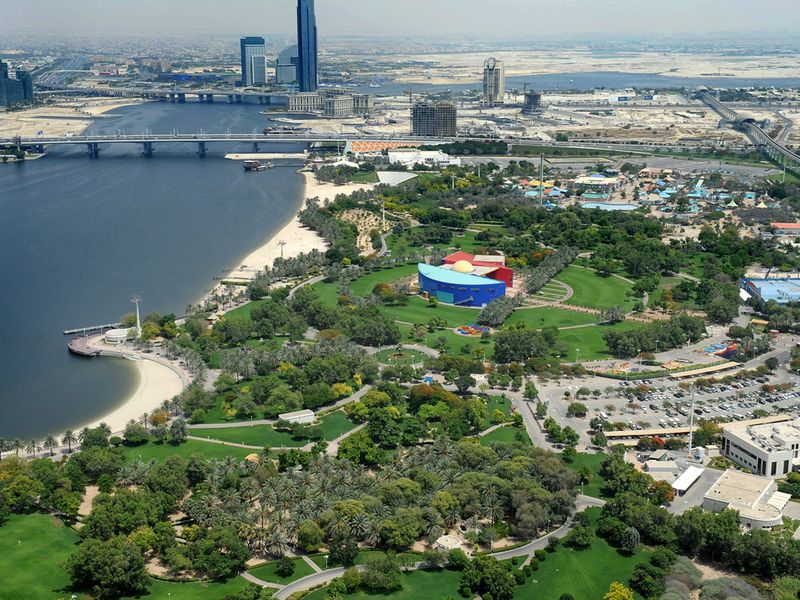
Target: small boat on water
254 165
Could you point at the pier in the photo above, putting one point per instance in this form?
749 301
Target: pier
85 330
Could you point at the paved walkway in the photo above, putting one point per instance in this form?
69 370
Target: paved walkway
338 404
261 582
320 577
311 563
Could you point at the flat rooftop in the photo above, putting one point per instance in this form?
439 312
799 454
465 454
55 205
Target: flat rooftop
741 490
778 436
776 288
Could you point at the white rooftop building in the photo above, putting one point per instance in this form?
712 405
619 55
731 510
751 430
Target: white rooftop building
769 449
429 158
757 499
303 417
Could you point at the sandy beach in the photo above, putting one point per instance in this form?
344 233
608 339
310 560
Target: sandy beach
67 118
298 239
157 382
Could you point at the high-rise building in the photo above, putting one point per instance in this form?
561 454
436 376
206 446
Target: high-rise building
434 119
286 66
15 90
532 104
254 60
494 82
307 46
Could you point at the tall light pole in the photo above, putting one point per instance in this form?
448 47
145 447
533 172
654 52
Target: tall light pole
691 422
137 300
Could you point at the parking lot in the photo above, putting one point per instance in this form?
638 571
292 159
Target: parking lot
667 404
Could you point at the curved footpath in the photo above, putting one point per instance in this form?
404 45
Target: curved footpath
324 577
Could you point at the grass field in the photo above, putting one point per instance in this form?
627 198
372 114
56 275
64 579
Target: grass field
332 426
586 574
194 590
498 403
162 451
267 571
32 569
593 461
417 585
504 434
408 357
594 291
590 290
589 340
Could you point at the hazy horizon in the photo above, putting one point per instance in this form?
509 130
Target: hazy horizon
475 18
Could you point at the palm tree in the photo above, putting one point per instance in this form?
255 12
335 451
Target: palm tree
105 427
3 446
17 445
69 439
277 542
145 418
32 447
493 510
452 515
373 533
50 443
82 434
359 525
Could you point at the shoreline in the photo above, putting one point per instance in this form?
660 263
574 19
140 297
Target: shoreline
298 238
156 382
160 380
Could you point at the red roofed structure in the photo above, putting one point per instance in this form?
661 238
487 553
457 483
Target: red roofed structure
487 265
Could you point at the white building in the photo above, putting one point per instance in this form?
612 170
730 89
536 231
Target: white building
429 158
758 500
494 82
769 449
303 417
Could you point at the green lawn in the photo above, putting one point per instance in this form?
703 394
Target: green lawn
162 451
586 574
498 403
194 590
267 571
539 318
590 340
31 569
332 426
589 290
417 585
365 177
408 357
255 435
594 291
504 434
593 461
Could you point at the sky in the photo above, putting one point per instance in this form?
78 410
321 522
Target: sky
476 18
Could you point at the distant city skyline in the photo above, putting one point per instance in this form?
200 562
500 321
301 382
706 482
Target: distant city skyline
509 18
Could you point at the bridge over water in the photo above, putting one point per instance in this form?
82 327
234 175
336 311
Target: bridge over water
202 140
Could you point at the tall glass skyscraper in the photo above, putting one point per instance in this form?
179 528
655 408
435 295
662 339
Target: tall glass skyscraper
306 46
254 61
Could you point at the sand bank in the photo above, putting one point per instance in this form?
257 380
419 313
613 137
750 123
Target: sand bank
298 239
157 382
67 118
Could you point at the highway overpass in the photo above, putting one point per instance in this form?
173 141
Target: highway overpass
757 136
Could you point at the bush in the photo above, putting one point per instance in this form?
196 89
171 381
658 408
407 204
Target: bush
457 559
285 567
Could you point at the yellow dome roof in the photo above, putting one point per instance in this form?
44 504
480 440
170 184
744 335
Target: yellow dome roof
463 266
